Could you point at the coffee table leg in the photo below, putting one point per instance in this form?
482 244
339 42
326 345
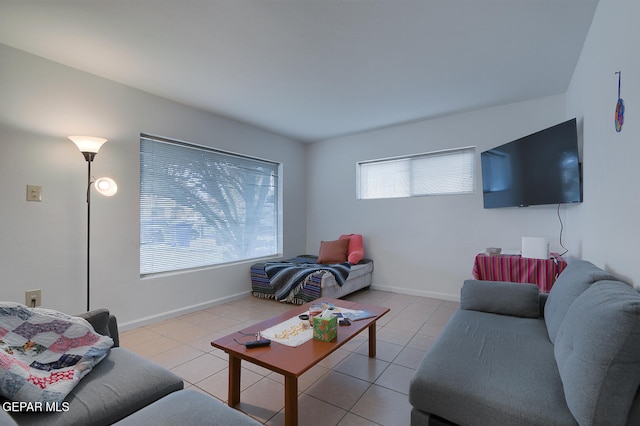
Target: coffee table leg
372 340
234 381
290 401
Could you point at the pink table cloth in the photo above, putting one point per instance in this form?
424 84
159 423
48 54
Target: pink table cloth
518 269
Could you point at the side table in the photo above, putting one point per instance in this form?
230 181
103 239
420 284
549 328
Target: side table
518 269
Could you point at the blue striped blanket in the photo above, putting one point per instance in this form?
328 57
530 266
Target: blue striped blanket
286 277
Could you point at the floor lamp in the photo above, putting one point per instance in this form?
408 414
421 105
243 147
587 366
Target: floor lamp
89 147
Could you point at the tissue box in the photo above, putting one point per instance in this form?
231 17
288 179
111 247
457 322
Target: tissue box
325 329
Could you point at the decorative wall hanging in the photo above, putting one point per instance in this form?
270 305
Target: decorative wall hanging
619 107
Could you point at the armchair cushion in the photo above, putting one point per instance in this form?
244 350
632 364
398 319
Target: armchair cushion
504 298
120 385
188 407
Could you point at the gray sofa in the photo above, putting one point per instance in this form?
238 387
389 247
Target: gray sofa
127 389
513 356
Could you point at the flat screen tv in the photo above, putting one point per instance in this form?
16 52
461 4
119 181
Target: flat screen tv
542 168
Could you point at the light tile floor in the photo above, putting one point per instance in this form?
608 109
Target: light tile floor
346 388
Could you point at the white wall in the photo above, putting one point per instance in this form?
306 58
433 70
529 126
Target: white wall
426 245
43 245
606 224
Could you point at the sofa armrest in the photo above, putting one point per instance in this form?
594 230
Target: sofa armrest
113 330
504 298
104 323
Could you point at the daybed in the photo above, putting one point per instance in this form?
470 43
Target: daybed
513 356
123 387
308 280
338 270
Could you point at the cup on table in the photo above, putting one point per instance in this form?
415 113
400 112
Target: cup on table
314 309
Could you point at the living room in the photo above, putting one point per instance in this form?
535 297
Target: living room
422 246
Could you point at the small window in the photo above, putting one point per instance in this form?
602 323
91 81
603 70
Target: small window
434 173
200 206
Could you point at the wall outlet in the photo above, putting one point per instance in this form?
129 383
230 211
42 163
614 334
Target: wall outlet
33 298
34 193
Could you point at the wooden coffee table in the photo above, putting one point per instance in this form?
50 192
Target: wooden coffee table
289 361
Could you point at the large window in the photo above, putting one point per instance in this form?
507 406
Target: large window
200 206
442 172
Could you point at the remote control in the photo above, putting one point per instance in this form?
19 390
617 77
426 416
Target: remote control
258 343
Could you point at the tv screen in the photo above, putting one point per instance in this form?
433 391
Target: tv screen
542 168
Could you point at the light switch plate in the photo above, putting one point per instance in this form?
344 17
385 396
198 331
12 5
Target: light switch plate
34 193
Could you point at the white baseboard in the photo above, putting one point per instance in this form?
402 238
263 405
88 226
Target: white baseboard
413 292
130 325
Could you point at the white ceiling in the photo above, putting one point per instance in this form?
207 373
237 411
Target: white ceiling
314 69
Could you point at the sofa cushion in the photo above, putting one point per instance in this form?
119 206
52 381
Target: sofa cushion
598 353
575 279
188 407
502 298
120 385
487 369
333 251
355 253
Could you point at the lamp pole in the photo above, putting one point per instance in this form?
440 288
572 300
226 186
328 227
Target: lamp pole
89 147
89 156
89 160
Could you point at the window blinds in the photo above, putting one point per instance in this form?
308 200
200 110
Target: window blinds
444 172
201 207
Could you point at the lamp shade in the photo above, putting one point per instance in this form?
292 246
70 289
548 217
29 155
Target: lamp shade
106 186
88 143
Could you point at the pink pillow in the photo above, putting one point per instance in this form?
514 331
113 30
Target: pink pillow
355 252
333 251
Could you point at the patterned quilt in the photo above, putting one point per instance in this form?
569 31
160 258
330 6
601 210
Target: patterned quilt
45 353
